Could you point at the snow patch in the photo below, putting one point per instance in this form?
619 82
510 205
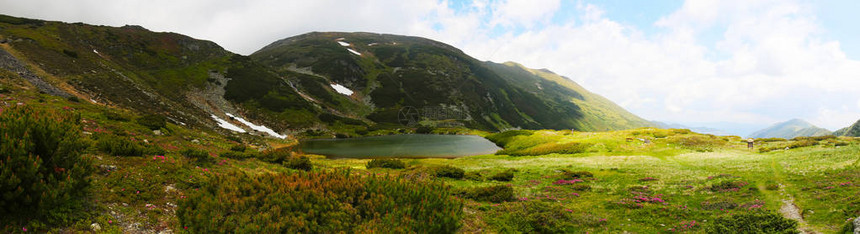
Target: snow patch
342 43
354 52
341 89
260 128
227 125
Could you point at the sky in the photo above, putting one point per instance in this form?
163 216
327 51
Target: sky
732 64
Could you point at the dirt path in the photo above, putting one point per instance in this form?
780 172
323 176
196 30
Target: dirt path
790 210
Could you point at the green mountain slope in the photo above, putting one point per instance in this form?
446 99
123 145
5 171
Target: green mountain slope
853 130
394 74
298 83
599 113
790 129
182 78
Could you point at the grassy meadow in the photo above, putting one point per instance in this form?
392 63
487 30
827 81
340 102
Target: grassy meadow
679 182
640 181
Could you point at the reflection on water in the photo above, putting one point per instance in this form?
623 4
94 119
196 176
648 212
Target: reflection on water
405 146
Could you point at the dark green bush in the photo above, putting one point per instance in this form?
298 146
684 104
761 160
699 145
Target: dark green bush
124 146
240 155
450 172
474 176
424 129
540 217
506 175
576 175
42 172
238 148
153 122
496 193
319 202
200 156
299 163
110 115
277 156
386 163
753 222
580 187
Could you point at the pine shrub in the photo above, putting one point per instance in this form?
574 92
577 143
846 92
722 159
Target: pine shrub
753 222
450 172
319 202
391 163
42 172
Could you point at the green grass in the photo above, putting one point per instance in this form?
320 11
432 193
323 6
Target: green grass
693 178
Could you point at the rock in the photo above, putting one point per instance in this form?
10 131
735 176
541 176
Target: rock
108 168
96 227
157 132
195 141
857 225
169 188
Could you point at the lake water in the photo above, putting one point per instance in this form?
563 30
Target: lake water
401 146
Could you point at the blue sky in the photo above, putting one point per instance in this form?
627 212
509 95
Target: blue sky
711 63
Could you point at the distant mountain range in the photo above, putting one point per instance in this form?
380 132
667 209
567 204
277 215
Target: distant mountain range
705 130
790 129
344 82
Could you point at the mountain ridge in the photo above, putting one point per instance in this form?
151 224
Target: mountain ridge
198 83
790 129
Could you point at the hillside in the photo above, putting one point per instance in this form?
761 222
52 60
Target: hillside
391 74
598 113
853 130
188 81
790 129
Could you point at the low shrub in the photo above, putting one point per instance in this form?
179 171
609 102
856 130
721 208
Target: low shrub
473 176
238 148
728 186
540 217
115 116
752 222
496 193
43 174
153 122
236 155
319 202
506 175
391 163
772 187
277 156
424 129
450 172
299 163
201 157
580 187
576 175
123 146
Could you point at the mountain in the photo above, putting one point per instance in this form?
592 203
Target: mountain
853 130
336 82
790 129
599 113
392 75
188 81
705 130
